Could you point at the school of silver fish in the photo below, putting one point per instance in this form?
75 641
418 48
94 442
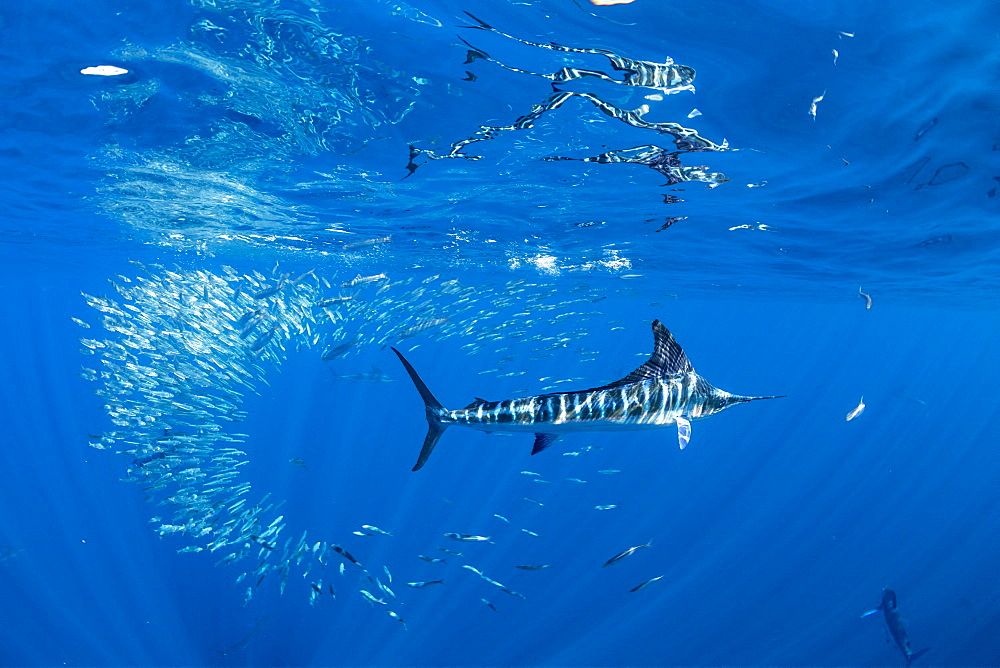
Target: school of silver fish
182 348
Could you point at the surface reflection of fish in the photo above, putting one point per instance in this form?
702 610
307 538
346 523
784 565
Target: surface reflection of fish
894 626
662 392
375 375
667 76
658 159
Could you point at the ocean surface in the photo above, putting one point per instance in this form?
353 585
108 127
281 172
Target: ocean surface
217 217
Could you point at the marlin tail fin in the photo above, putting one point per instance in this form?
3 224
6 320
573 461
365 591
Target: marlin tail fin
916 655
480 24
434 410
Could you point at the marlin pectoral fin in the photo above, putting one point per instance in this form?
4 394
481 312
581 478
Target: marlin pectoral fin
869 613
683 431
543 441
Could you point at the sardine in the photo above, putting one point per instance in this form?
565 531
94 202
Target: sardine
421 585
468 538
621 555
857 410
644 584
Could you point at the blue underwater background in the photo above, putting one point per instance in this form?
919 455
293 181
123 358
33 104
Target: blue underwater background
276 192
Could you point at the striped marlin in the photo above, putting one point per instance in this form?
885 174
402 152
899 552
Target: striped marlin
662 392
894 626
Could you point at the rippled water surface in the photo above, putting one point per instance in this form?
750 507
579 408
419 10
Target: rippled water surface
211 243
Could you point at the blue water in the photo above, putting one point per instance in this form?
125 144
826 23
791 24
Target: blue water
251 141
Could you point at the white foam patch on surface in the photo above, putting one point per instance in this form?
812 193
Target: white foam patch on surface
104 71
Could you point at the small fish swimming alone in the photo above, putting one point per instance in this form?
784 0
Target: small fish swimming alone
643 585
468 538
856 411
894 626
374 529
662 392
621 555
867 298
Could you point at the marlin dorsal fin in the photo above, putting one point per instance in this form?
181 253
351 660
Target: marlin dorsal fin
479 401
668 358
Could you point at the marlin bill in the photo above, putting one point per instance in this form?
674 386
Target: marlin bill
662 392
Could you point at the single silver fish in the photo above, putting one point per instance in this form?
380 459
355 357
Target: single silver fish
867 298
421 585
621 555
374 529
857 410
431 560
468 538
644 584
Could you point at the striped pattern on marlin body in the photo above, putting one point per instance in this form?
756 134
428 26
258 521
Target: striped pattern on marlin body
663 391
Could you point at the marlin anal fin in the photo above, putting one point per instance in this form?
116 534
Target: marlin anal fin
683 431
543 441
